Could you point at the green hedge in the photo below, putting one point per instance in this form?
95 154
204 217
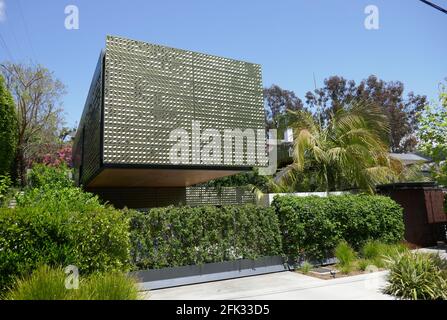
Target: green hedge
178 236
59 227
313 226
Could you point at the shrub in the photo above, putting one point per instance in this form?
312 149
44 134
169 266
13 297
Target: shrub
47 283
362 264
313 226
377 252
5 185
42 175
346 256
44 284
8 129
306 267
416 276
61 227
178 236
108 286
59 200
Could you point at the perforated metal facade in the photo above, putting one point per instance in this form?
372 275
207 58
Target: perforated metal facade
151 90
142 198
87 144
141 92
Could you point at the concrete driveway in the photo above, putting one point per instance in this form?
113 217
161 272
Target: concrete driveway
282 285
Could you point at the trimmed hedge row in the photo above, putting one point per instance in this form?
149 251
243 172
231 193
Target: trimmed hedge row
59 227
313 226
178 236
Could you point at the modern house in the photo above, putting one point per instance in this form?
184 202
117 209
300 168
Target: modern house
158 120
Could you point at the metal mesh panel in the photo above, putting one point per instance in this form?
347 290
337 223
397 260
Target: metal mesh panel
224 196
86 147
151 90
143 198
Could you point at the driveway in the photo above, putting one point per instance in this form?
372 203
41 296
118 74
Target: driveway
281 285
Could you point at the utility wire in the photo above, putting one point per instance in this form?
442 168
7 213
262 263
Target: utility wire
12 35
431 4
8 52
26 30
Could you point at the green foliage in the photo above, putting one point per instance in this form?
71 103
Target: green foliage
400 110
306 267
8 129
313 226
244 179
108 286
5 185
432 135
349 151
59 200
362 264
178 236
61 227
377 252
416 276
346 256
40 115
46 283
46 176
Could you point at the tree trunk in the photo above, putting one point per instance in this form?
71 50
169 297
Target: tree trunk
19 169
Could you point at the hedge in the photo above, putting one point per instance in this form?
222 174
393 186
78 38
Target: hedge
178 236
311 227
59 227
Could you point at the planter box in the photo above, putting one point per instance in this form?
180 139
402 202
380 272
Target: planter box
178 276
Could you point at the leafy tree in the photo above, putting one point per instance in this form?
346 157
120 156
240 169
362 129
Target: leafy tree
401 111
8 129
37 95
276 102
348 151
432 135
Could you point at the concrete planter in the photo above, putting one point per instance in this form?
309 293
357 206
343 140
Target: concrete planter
178 276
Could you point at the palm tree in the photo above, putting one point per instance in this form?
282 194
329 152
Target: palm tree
349 151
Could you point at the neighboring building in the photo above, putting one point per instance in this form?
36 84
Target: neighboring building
409 158
140 94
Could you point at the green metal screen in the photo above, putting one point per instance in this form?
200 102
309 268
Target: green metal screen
151 90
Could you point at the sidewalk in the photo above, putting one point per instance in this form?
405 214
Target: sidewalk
282 285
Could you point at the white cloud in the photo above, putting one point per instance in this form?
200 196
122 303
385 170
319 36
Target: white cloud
2 11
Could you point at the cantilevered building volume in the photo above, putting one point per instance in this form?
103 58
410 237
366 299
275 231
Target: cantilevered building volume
158 120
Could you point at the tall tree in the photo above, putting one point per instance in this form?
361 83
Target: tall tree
432 135
8 129
348 151
401 111
277 102
37 95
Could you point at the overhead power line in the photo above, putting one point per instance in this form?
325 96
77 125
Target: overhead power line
431 4
33 52
8 52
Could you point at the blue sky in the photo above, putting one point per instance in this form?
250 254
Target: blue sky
290 39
